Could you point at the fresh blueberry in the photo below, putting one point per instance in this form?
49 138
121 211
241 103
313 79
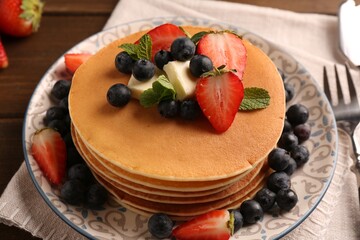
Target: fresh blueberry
189 109
64 103
297 114
73 192
300 154
302 131
96 196
118 95
81 172
160 225
238 219
168 108
124 63
251 211
68 140
182 49
67 121
289 91
162 58
143 70
59 125
278 159
73 157
200 64
265 198
286 199
277 181
61 89
291 167
288 141
282 74
55 112
287 126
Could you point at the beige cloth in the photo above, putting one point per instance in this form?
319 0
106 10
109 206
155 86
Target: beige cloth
310 38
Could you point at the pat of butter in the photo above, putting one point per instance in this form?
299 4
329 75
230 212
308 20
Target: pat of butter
138 87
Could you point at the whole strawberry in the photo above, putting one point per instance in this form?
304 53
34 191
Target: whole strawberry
20 18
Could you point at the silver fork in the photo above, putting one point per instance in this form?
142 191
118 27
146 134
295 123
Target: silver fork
347 116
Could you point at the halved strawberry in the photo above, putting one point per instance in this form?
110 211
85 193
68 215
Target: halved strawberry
214 225
3 57
74 60
224 48
49 151
219 96
162 37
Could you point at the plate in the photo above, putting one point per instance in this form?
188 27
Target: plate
116 222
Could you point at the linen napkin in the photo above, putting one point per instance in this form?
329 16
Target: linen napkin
310 38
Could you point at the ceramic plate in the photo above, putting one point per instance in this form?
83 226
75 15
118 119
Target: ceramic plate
116 222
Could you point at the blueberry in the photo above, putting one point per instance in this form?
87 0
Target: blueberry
61 89
162 58
81 172
124 63
277 181
68 140
200 64
64 103
300 154
302 131
291 167
59 125
286 199
289 91
288 141
168 108
96 196
297 114
118 95
189 109
251 211
287 126
282 74
55 113
73 157
160 225
73 192
278 159
265 198
67 121
182 49
238 219
143 70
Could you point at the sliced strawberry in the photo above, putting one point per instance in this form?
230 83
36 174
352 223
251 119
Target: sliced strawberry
213 225
219 97
224 48
162 37
49 151
3 57
74 60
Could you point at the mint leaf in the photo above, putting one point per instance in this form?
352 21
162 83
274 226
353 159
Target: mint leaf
131 49
254 98
161 90
196 37
144 49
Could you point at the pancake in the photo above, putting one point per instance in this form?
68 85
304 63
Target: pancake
138 140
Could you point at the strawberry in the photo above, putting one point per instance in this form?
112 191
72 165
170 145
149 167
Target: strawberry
224 48
20 18
214 225
74 60
219 94
162 37
3 57
49 151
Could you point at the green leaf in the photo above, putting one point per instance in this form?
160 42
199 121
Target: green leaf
144 49
149 98
131 49
184 31
254 98
196 38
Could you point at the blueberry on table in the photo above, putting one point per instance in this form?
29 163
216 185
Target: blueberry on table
143 70
168 108
61 89
81 172
300 154
278 159
291 167
162 58
288 141
96 196
266 198
251 211
160 225
286 199
118 95
302 131
182 49
200 64
124 63
238 219
73 192
297 114
189 109
277 181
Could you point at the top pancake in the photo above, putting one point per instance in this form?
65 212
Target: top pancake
140 141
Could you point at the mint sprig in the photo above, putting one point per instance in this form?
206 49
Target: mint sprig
141 50
162 89
254 98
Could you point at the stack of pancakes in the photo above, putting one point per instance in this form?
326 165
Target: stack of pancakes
182 168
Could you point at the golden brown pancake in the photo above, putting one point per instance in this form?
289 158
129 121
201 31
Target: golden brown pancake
141 142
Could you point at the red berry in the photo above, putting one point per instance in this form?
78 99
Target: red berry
74 60
3 57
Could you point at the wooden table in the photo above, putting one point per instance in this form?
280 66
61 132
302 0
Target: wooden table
65 23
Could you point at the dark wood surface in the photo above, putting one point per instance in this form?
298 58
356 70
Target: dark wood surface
65 23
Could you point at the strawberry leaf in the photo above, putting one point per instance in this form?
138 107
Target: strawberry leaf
254 98
196 37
